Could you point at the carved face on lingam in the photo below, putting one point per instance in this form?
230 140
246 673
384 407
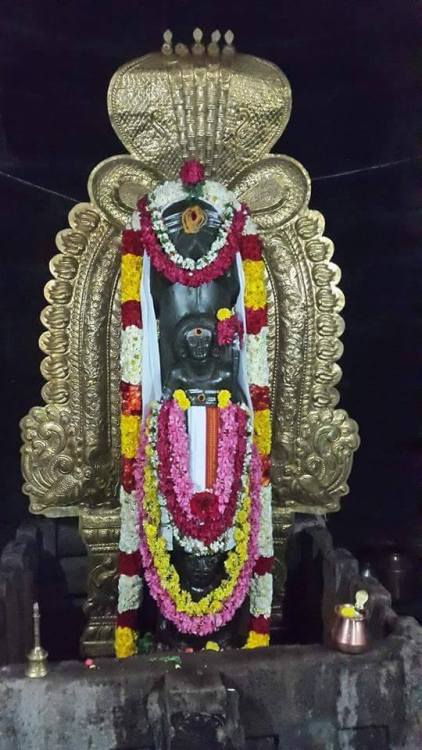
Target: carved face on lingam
202 487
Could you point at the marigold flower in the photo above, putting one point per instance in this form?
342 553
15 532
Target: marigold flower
129 430
223 398
124 642
182 400
131 268
255 292
262 431
224 313
257 640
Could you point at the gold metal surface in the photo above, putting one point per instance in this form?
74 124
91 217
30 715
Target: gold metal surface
227 110
100 528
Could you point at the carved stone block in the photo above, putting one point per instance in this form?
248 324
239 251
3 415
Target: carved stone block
100 531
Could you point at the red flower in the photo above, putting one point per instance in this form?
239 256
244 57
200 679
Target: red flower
131 314
131 242
130 564
250 247
127 476
263 565
227 329
255 319
128 619
260 396
191 172
204 505
130 396
265 469
260 624
175 274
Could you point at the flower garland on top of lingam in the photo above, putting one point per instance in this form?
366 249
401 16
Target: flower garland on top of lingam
239 503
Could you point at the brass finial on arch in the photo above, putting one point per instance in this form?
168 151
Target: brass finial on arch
167 47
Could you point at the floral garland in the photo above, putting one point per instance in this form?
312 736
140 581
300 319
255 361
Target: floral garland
174 483
130 583
167 263
237 234
255 300
218 607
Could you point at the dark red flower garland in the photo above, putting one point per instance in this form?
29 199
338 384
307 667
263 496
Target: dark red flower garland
175 274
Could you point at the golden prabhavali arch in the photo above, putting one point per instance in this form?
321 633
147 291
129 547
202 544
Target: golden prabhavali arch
226 110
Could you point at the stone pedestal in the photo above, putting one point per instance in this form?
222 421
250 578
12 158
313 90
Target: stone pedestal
295 697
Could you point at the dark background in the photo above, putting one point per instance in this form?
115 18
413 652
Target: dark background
354 68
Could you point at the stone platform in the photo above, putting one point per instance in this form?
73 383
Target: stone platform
282 698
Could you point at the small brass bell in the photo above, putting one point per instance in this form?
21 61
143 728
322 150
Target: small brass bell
37 658
349 632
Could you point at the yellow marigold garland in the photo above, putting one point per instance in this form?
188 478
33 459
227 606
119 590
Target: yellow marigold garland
131 270
255 299
213 602
129 431
125 638
223 398
124 642
262 431
180 396
255 292
257 640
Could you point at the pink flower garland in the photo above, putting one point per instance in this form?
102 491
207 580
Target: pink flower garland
200 624
188 526
179 457
173 273
225 455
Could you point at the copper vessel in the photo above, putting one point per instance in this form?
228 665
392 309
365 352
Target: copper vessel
349 634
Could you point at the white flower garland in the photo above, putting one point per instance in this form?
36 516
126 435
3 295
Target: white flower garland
189 263
131 347
256 358
224 201
261 595
129 525
130 591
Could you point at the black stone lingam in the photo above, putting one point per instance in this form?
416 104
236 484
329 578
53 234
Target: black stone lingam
191 359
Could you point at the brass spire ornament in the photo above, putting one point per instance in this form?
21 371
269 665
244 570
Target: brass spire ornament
37 657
